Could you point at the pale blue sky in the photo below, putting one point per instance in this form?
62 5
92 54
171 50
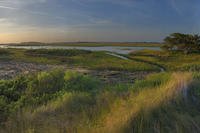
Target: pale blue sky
96 20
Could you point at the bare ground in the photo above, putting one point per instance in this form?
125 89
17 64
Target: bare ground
10 69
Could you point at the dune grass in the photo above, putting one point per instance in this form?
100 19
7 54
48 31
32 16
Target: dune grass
165 102
125 111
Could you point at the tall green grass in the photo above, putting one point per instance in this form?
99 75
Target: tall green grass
165 102
179 115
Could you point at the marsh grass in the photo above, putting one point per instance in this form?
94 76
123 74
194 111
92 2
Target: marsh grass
171 61
78 58
56 52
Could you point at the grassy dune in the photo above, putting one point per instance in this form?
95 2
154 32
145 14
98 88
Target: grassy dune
124 112
165 102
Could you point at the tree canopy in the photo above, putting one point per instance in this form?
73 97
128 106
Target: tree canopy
186 43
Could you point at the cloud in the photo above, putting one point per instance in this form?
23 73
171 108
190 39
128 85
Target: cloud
116 2
175 7
22 2
8 7
11 5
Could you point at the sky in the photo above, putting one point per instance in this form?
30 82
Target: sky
96 20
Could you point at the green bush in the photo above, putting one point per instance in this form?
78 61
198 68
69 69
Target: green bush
13 89
3 108
77 82
47 82
4 52
38 89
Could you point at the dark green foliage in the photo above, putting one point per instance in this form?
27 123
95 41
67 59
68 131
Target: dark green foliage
182 42
83 83
4 52
34 90
47 83
195 89
13 89
10 92
44 87
3 108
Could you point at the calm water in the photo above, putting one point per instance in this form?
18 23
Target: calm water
115 49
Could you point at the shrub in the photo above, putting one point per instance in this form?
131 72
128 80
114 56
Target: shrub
4 52
77 82
47 83
13 89
3 108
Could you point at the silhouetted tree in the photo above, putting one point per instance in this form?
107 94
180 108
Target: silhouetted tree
186 43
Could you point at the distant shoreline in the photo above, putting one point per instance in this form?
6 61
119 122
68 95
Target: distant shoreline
89 44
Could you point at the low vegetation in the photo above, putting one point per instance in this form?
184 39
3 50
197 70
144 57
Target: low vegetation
57 52
78 58
53 102
171 61
59 101
4 52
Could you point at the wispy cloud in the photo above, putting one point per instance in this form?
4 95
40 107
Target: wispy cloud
116 2
8 7
31 12
22 2
175 7
113 19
